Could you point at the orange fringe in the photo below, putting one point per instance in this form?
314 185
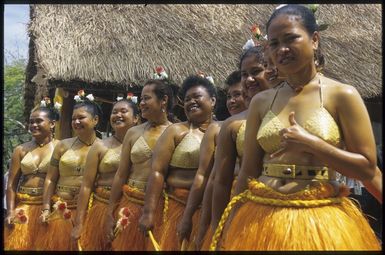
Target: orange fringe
207 240
131 238
55 235
339 226
22 236
92 236
169 240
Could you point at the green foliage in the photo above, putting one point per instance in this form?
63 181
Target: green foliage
14 128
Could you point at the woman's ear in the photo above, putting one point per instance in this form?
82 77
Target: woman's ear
315 40
96 120
52 124
213 101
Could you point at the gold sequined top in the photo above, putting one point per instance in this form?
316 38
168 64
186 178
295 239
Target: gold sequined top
186 153
71 163
240 139
140 151
321 124
28 165
110 160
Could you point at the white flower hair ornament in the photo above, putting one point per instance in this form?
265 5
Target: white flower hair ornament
46 102
131 97
90 97
81 96
160 73
208 77
119 98
249 44
57 106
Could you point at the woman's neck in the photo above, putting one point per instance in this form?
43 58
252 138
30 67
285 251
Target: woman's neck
41 141
202 125
87 139
120 133
161 120
301 78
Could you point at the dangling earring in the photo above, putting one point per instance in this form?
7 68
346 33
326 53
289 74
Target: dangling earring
163 110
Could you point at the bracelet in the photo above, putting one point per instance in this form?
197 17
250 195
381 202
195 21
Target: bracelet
44 210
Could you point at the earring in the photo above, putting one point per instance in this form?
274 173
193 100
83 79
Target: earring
163 110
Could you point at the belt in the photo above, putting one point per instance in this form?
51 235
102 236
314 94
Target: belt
141 185
297 172
74 190
31 191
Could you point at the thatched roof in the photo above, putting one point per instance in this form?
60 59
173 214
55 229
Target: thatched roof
121 44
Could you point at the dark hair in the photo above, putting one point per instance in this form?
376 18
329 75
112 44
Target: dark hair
51 112
308 21
161 89
233 79
257 51
91 107
194 81
131 104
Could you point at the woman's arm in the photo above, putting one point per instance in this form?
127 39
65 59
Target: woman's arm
51 179
206 161
161 157
374 186
13 179
90 171
358 161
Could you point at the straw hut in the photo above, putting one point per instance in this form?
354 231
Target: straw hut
107 49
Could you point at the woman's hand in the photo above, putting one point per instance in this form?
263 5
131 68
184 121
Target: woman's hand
9 219
75 235
294 138
184 229
109 226
44 215
146 223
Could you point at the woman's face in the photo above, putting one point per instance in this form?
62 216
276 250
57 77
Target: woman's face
271 72
235 102
290 46
198 105
40 124
150 106
82 120
122 116
253 76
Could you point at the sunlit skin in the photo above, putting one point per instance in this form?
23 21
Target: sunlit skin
121 119
41 128
198 106
83 124
151 109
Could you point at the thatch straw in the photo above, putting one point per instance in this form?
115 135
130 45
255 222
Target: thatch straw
124 43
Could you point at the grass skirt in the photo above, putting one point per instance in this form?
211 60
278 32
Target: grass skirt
56 234
207 239
176 205
310 219
131 238
23 236
92 236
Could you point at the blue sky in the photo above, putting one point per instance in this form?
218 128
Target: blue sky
16 18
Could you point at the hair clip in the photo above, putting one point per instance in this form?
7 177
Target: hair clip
45 102
160 73
80 97
57 106
131 97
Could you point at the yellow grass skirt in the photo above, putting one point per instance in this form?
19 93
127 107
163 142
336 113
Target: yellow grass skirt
92 236
310 219
176 204
23 236
131 238
55 235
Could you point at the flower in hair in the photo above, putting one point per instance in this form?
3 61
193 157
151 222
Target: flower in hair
203 75
45 102
249 44
57 106
77 98
211 79
90 97
81 93
118 98
131 97
256 32
160 73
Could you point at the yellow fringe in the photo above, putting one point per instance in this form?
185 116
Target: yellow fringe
165 208
91 200
247 195
153 241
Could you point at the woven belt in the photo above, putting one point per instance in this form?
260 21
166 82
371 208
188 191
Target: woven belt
137 184
31 191
74 190
297 172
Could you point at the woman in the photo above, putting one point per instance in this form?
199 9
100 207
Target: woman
101 165
297 135
235 104
65 175
131 177
24 195
176 158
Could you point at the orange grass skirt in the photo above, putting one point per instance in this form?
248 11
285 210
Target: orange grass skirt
23 236
92 237
207 239
56 234
131 238
176 204
337 225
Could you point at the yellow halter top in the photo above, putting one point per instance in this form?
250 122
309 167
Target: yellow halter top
321 124
140 151
186 153
240 139
71 164
28 164
110 160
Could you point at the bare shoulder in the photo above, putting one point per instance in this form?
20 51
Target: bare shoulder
65 144
213 128
261 102
340 92
176 128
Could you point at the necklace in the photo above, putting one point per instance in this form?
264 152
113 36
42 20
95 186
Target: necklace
87 144
116 139
42 144
300 88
